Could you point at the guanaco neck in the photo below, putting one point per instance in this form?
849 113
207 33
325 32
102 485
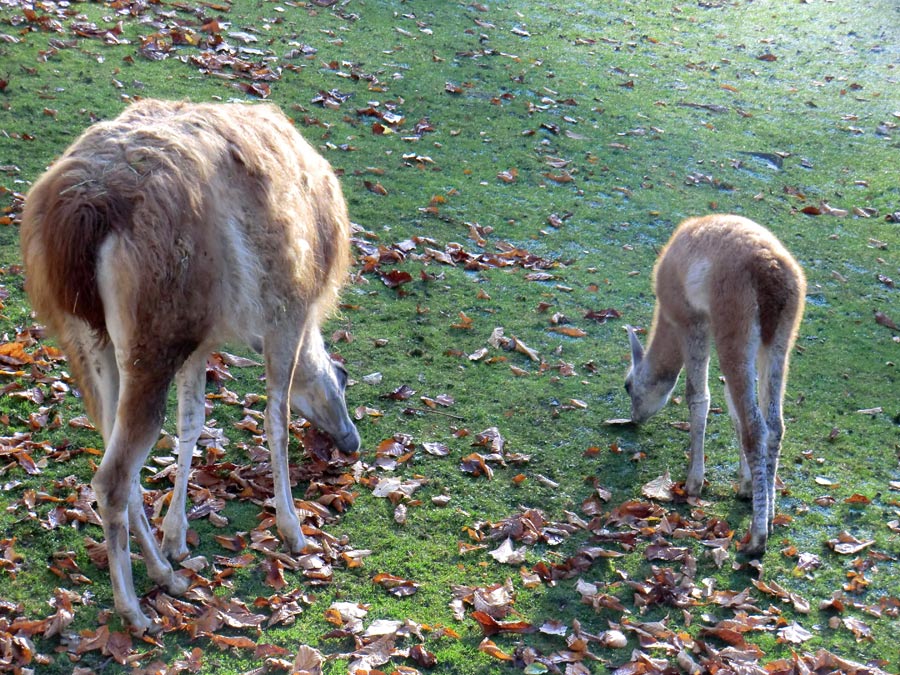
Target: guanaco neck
663 355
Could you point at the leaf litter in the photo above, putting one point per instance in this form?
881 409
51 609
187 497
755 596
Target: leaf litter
625 527
621 528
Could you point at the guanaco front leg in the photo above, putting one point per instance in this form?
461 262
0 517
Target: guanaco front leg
696 361
745 483
281 349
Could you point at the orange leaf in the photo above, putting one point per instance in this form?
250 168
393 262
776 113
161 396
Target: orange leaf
508 176
334 616
465 322
490 626
564 177
491 649
396 585
235 543
570 331
376 187
236 642
13 353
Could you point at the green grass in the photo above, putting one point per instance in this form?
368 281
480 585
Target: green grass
658 112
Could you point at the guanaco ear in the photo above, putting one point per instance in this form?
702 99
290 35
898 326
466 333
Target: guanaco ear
637 351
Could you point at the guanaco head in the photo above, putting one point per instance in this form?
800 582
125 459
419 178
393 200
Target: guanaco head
649 391
318 393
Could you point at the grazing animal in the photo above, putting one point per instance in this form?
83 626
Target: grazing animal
727 278
157 236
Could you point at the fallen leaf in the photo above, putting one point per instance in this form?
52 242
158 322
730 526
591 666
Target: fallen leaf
475 465
376 188
847 544
396 585
507 555
490 626
569 331
437 449
401 393
870 411
860 630
794 634
603 315
488 647
376 653
884 320
308 661
395 278
238 361
660 488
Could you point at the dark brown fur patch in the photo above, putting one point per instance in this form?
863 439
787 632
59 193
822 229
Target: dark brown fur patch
79 214
775 288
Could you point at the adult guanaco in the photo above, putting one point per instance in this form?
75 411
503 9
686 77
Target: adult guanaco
157 236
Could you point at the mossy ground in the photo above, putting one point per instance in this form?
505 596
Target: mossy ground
658 111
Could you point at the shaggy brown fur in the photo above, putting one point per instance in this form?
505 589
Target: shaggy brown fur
167 176
158 235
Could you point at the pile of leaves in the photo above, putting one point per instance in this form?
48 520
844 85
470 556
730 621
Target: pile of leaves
674 542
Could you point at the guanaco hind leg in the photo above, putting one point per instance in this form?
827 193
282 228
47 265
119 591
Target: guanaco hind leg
745 487
119 502
738 364
772 368
191 383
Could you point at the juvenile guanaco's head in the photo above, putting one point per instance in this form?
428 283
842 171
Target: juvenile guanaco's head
648 390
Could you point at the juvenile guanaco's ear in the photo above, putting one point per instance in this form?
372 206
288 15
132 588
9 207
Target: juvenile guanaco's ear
637 351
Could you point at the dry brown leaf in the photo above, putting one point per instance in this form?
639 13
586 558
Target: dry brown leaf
660 488
395 585
794 634
348 615
308 661
859 629
373 654
884 320
238 361
847 544
507 555
490 626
